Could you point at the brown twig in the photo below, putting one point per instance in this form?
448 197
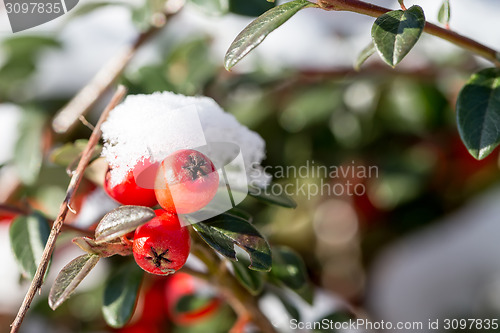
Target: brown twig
369 9
6 208
58 223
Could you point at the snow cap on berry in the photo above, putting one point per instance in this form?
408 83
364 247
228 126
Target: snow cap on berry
154 126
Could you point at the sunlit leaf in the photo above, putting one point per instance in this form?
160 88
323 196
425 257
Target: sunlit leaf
70 277
28 236
224 231
70 152
396 32
212 7
478 112
444 12
121 221
257 31
28 154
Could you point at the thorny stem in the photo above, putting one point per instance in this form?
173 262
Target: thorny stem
59 222
369 9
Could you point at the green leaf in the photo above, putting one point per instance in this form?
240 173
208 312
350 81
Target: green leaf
27 44
212 7
120 294
28 236
395 33
121 221
478 112
306 293
191 303
336 317
249 7
289 306
253 281
364 55
70 277
282 200
28 154
444 12
224 231
240 213
289 268
69 153
257 31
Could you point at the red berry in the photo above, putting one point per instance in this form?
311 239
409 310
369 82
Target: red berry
186 182
153 303
128 192
162 245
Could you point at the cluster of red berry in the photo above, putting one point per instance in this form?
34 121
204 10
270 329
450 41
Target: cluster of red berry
184 182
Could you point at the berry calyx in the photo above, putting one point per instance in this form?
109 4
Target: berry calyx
162 245
186 181
128 192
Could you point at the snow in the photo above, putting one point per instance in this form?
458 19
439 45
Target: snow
154 126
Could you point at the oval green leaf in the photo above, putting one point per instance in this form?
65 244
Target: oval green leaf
28 236
120 294
241 214
264 195
192 303
289 268
69 153
28 153
70 277
444 12
224 231
396 32
212 7
257 31
253 281
478 112
340 316
121 221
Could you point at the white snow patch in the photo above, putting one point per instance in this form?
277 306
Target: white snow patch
154 126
